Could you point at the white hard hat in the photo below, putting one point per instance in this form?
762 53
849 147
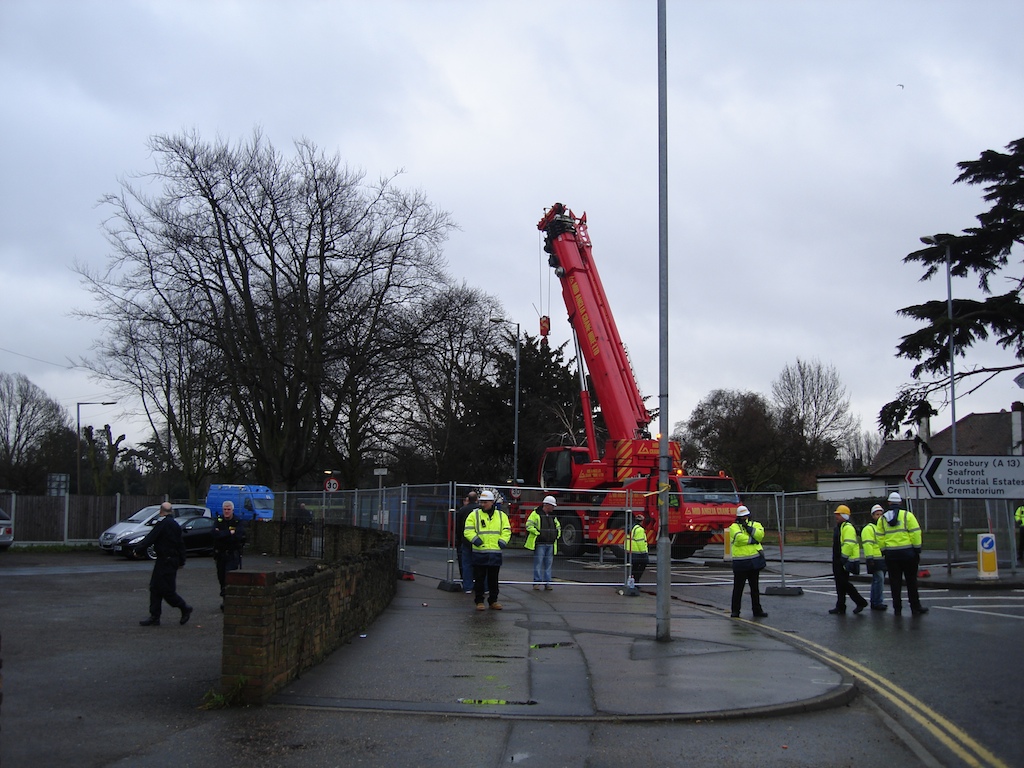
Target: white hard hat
550 500
742 511
486 495
895 498
877 508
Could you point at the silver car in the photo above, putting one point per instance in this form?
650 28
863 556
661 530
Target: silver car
6 530
114 538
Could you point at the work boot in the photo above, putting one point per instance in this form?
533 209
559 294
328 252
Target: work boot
496 606
919 610
536 586
759 614
549 588
879 607
837 611
480 607
860 607
186 613
152 621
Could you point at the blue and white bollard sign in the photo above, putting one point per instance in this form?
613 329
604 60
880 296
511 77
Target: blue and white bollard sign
988 566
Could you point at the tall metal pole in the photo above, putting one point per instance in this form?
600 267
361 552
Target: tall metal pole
952 378
515 435
664 598
951 533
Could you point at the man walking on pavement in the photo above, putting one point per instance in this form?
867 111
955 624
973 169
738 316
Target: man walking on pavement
845 559
166 540
489 531
636 548
900 538
873 558
544 530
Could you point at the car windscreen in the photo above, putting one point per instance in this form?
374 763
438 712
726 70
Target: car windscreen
708 490
143 515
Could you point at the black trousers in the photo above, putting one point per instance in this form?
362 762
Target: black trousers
741 578
845 588
230 560
163 585
900 571
485 576
640 563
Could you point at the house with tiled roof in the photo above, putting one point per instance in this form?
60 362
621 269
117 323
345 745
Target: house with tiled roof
977 434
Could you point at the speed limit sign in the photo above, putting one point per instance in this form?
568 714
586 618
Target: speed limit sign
331 485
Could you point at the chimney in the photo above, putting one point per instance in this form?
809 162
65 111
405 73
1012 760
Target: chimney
924 427
1016 432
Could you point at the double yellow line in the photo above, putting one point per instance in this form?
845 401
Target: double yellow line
947 733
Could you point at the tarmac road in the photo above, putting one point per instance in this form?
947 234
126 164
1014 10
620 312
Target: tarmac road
85 685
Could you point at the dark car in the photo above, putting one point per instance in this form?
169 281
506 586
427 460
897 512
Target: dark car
124 538
197 533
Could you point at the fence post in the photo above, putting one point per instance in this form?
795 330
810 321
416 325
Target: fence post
67 517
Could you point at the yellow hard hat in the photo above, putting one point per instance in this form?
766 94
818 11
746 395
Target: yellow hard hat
843 510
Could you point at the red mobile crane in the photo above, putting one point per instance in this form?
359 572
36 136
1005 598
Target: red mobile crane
699 506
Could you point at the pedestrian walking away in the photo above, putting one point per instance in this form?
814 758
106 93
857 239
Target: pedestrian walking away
167 543
873 559
900 540
636 548
745 537
228 541
845 561
463 549
489 531
543 531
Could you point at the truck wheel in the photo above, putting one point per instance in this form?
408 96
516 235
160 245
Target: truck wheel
571 543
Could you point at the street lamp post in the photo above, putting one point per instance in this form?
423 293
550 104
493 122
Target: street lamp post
515 433
78 439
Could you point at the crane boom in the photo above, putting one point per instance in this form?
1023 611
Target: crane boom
569 253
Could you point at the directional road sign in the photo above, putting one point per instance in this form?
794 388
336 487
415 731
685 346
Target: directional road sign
914 478
974 477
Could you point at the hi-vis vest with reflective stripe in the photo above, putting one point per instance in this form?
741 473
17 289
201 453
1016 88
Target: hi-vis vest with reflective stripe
901 535
490 528
849 541
740 541
637 541
869 539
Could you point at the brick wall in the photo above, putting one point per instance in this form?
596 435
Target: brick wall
277 625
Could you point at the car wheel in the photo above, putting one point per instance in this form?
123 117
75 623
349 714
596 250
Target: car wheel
151 552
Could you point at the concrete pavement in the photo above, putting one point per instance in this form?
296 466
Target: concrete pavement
430 683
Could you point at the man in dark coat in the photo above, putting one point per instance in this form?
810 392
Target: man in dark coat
166 540
228 540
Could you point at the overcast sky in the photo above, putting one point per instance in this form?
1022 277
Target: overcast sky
810 145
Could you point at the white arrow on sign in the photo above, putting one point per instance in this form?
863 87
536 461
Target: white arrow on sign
974 477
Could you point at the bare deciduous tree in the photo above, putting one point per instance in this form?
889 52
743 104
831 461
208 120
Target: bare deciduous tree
289 271
812 397
27 418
